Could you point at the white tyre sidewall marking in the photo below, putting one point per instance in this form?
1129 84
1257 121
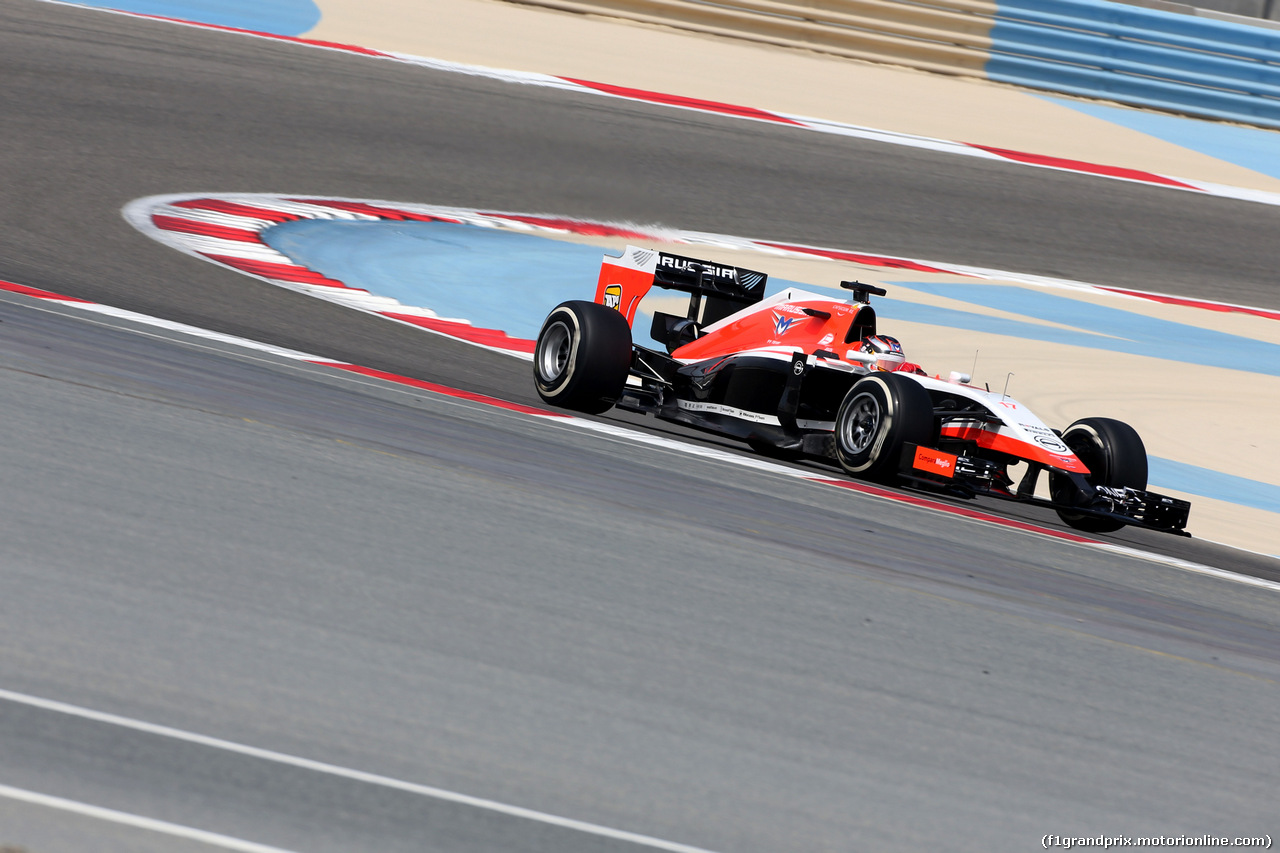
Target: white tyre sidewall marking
884 426
563 315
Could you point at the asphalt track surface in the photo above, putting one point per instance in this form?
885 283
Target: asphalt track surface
462 597
454 595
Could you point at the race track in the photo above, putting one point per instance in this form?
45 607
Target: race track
434 591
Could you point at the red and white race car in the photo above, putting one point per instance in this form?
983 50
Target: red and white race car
803 375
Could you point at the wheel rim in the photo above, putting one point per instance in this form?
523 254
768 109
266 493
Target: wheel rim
859 427
553 351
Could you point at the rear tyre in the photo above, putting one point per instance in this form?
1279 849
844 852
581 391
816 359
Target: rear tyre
880 413
582 357
1115 456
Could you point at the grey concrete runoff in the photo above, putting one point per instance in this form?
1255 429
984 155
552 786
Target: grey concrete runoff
462 597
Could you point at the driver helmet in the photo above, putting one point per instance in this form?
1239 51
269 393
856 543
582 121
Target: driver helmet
887 351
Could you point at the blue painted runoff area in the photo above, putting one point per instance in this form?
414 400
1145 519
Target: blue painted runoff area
496 279
278 17
1249 147
510 281
1096 327
1166 473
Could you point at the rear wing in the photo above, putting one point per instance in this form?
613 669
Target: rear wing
715 290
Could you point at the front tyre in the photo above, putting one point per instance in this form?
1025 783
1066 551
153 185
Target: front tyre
1115 456
582 357
880 414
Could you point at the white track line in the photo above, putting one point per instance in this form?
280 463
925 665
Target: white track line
614 431
1196 568
346 773
809 123
177 830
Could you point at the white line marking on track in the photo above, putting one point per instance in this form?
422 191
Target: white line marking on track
731 111
1188 566
177 830
624 434
345 773
195 331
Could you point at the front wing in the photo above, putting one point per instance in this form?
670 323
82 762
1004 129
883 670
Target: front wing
970 476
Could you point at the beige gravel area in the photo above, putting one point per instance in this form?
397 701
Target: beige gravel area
525 38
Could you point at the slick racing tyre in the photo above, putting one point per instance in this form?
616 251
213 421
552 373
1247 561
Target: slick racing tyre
583 357
1115 456
879 414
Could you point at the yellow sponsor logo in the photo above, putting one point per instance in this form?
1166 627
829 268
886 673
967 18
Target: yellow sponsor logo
613 297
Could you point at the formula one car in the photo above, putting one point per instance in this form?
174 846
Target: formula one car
800 375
